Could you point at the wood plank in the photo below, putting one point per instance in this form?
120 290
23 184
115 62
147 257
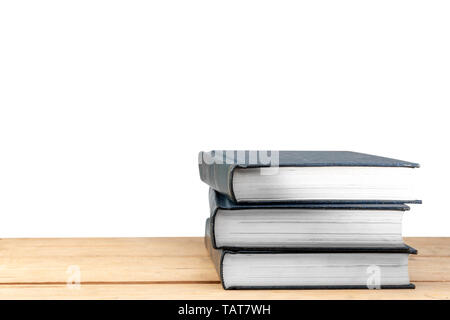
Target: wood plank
430 246
429 268
155 260
105 260
424 290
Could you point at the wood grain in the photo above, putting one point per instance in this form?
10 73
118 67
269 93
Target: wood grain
172 267
106 260
430 246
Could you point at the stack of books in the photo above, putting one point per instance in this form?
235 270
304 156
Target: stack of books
307 219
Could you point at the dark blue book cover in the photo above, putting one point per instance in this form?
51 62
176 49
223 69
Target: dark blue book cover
217 257
219 201
216 167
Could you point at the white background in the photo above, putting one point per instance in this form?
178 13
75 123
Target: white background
104 105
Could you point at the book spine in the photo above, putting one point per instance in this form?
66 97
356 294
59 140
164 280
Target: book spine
218 176
216 255
213 206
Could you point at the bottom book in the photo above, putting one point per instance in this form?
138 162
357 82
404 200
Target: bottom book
321 268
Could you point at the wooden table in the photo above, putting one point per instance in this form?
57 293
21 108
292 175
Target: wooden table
172 268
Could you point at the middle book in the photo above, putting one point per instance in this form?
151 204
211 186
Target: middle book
256 226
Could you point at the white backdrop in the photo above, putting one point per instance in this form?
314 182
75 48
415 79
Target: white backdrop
104 105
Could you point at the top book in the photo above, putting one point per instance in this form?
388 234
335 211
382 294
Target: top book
308 176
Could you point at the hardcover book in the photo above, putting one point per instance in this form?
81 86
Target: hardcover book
308 176
365 227
299 269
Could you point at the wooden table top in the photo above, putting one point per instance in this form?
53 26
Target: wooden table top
173 268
